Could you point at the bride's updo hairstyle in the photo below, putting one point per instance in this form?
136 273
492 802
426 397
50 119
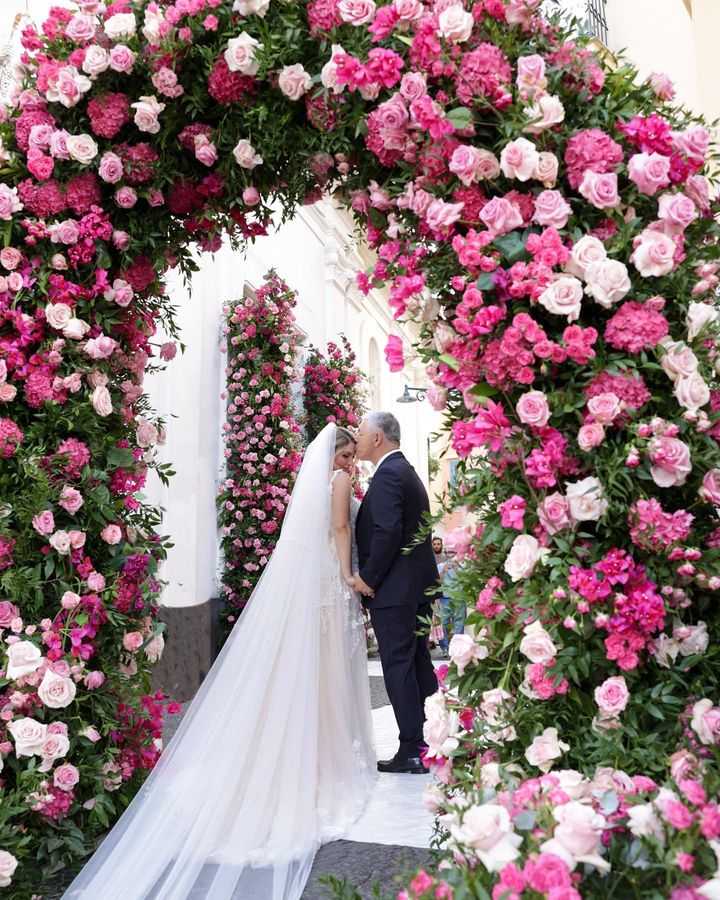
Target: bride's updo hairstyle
342 438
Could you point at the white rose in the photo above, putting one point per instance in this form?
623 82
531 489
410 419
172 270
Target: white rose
523 557
23 658
152 26
698 316
81 147
563 297
488 831
251 7
29 736
654 254
328 73
588 249
120 26
607 281
58 315
60 541
545 112
692 392
678 361
545 749
96 61
8 864
696 641
455 24
56 691
643 822
246 155
240 54
75 329
537 644
463 650
586 500
574 784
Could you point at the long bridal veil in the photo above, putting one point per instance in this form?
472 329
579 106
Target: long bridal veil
274 755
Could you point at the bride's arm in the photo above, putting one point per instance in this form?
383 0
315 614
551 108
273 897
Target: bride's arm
341 522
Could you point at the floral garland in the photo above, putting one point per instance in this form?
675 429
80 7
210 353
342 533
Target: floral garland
333 388
261 436
549 226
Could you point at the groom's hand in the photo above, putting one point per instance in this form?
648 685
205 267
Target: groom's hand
364 589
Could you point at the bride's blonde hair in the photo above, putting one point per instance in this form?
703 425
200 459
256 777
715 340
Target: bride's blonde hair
343 437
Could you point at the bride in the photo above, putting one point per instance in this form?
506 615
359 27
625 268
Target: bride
275 755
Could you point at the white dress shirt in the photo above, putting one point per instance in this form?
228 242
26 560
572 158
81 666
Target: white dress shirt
383 458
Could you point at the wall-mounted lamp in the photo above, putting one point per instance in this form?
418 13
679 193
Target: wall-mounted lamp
408 398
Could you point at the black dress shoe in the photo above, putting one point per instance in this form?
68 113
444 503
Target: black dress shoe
410 765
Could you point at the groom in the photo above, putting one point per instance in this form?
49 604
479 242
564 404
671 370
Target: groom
394 584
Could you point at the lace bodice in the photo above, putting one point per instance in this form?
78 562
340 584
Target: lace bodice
355 622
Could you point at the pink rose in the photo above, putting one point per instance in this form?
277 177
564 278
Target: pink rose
60 541
546 169
662 85
698 190
519 159
408 11
520 12
554 513
488 165
94 680
102 401
607 281
600 189
678 361
441 215
122 59
412 87
44 523
67 87
705 722
9 202
100 347
71 499
133 641
55 691
97 60
205 150
70 600
294 81
523 557
10 258
590 436
677 211
111 168
578 835
671 463
710 490
545 749
694 141
605 408
649 171
654 254
165 82
155 647
551 209
464 649
586 499
121 293
245 155
455 24
240 54
147 113
15 282
357 12
500 216
464 163
532 409
698 316
531 73
121 239
563 297
537 645
587 250
612 696
96 582
146 434
111 534
544 113
65 777
692 392
66 232
76 538
8 612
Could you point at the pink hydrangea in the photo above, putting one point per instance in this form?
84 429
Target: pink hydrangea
10 438
653 529
630 388
592 150
108 114
635 327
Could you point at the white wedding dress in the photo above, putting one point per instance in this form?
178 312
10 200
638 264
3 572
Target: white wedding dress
275 754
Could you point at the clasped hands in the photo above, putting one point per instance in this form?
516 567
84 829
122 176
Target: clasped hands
357 584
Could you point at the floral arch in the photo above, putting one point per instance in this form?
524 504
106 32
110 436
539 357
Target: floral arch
549 226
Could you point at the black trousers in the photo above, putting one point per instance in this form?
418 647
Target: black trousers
407 668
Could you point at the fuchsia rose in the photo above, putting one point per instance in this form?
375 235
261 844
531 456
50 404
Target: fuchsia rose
649 171
519 159
612 696
671 463
532 409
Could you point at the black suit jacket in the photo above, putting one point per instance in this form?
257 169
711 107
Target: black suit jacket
388 520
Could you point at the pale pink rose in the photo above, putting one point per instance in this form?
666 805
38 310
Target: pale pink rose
96 582
694 639
100 347
532 409
488 830
518 159
111 534
146 434
205 150
120 26
10 258
9 202
111 168
65 777
91 733
495 705
240 54
44 522
70 600
574 784
165 81
546 169
29 736
122 59
251 196
147 114
612 696
605 408
357 12
671 463
251 7
23 658
133 641
531 73
122 293
600 189
586 499
537 645
464 163
563 297
97 379
294 81
649 171
328 73
58 145
440 726
662 85
488 165
60 541
545 749
413 86
94 680
40 135
82 148
578 835
551 209
66 232
607 281
705 722
76 538
54 747
71 499
97 60
520 12
55 691
443 337
523 557
710 489
15 282
544 113
692 392
694 141
245 155
500 216
441 215
554 513
455 24
698 190
102 401
590 436
155 647
587 250
408 11
677 211
464 649
8 864
698 316
665 650
654 254
58 262
8 612
8 392
678 361
154 24
644 822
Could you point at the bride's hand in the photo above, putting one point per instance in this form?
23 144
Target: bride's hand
350 582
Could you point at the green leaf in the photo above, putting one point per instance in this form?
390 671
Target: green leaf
449 361
485 282
120 457
512 246
460 117
484 390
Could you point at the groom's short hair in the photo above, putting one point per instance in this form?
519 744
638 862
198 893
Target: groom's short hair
387 424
